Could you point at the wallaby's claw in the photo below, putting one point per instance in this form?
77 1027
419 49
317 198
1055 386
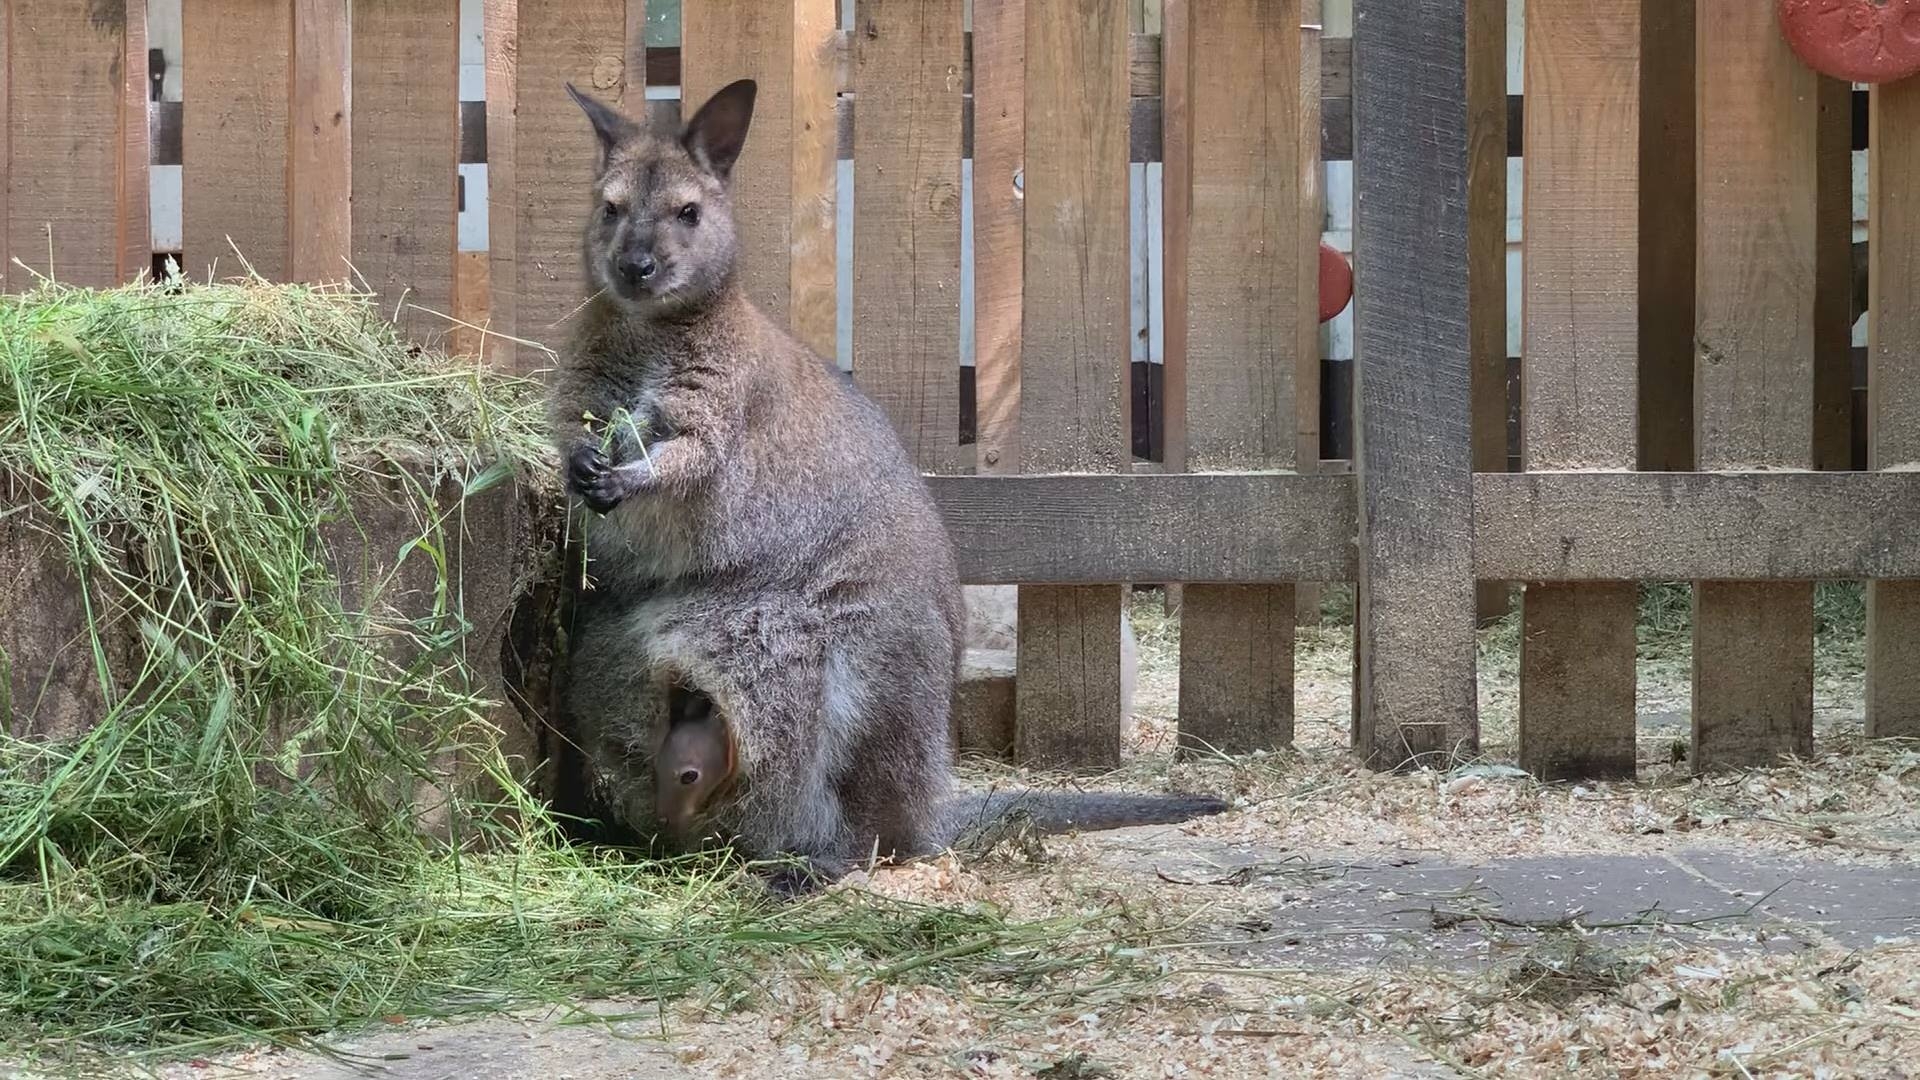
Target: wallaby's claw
594 479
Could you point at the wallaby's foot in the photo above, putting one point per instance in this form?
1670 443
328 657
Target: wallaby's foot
803 878
598 482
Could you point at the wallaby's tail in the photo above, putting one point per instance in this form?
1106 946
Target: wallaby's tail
1068 811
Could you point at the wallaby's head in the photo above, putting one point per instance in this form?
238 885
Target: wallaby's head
660 236
694 769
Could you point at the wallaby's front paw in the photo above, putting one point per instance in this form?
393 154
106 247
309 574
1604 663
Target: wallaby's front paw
598 482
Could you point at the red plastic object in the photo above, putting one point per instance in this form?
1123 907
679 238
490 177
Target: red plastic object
1864 41
1336 282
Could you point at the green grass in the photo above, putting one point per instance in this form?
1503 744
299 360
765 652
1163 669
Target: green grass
237 852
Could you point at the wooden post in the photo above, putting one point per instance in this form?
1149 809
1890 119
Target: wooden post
1667 220
65 96
1487 255
1582 210
552 159
752 39
906 226
1413 468
1246 279
1759 125
234 141
1893 427
320 180
1074 358
406 155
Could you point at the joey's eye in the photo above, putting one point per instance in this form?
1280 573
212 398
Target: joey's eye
690 776
690 213
611 210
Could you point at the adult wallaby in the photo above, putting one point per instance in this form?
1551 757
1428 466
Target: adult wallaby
756 534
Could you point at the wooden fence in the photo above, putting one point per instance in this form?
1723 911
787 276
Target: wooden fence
1686 284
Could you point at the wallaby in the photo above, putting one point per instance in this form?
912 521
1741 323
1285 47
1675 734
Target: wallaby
756 533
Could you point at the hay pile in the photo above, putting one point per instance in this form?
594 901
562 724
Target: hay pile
234 853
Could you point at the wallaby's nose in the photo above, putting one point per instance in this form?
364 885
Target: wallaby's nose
637 268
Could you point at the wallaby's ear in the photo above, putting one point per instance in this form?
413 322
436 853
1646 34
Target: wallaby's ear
608 125
718 132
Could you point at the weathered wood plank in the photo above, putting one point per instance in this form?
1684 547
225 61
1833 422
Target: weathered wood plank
238 70
134 216
500 33
1893 424
1780 526
1306 328
1487 255
64 95
906 224
815 293
1667 223
1577 715
999 109
1176 217
750 39
1074 379
406 148
1252 528
1246 277
7 270
1833 280
554 153
1759 126
320 180
1414 627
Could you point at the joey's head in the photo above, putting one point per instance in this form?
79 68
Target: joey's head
695 768
660 236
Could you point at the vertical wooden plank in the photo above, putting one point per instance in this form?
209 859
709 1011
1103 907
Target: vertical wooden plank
7 270
1413 466
1833 281
1667 222
1176 197
500 32
1487 254
999 134
1753 378
1582 206
906 223
233 136
1176 211
320 182
582 42
1893 425
406 154
1313 218
1245 283
752 39
136 229
65 98
1074 358
815 296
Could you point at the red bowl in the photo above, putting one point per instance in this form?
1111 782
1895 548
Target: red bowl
1336 282
1861 41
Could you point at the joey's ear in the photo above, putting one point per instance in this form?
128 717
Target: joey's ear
718 132
609 126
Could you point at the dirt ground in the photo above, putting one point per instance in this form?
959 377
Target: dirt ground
1341 923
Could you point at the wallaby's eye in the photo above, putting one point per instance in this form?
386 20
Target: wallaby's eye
690 776
612 210
690 213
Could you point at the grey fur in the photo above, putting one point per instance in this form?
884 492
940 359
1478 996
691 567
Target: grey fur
765 538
